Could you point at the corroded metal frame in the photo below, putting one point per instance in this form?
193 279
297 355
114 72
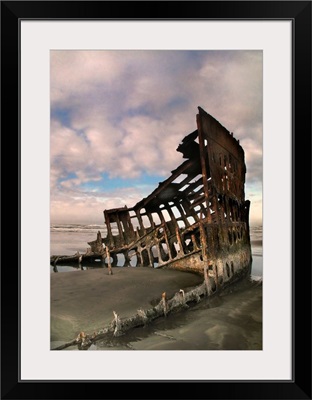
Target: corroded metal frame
197 218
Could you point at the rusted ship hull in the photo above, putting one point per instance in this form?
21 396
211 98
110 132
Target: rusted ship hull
196 220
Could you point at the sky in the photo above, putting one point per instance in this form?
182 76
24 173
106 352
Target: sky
117 118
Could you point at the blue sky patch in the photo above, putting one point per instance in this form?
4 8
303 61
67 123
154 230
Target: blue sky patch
110 184
63 115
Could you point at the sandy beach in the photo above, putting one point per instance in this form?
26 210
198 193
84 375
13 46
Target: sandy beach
230 321
85 300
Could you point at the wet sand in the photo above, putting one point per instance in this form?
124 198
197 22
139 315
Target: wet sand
230 321
85 300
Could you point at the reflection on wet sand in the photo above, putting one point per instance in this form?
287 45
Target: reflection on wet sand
230 321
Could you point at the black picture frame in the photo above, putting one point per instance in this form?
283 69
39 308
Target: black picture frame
12 12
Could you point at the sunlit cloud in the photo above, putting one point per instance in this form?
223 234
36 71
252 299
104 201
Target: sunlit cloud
117 117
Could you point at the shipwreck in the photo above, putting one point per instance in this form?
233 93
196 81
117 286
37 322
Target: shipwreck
196 220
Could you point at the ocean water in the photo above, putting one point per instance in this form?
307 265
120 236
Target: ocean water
230 321
67 239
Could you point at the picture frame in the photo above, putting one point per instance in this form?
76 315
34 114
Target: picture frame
299 387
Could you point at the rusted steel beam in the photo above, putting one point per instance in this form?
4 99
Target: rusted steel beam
213 187
109 261
203 157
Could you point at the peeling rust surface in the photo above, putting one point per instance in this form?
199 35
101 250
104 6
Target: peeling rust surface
197 219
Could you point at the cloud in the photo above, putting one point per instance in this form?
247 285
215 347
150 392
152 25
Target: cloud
86 207
75 73
122 114
253 159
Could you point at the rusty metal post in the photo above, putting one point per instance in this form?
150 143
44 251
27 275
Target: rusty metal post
183 216
172 216
203 242
167 241
110 272
121 233
207 281
127 259
179 240
129 223
109 229
150 256
215 275
160 261
139 217
203 163
194 242
149 216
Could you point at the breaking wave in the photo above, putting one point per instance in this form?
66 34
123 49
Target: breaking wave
76 228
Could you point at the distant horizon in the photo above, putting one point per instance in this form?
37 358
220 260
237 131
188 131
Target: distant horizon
251 224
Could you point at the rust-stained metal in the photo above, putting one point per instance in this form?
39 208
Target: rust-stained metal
196 220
